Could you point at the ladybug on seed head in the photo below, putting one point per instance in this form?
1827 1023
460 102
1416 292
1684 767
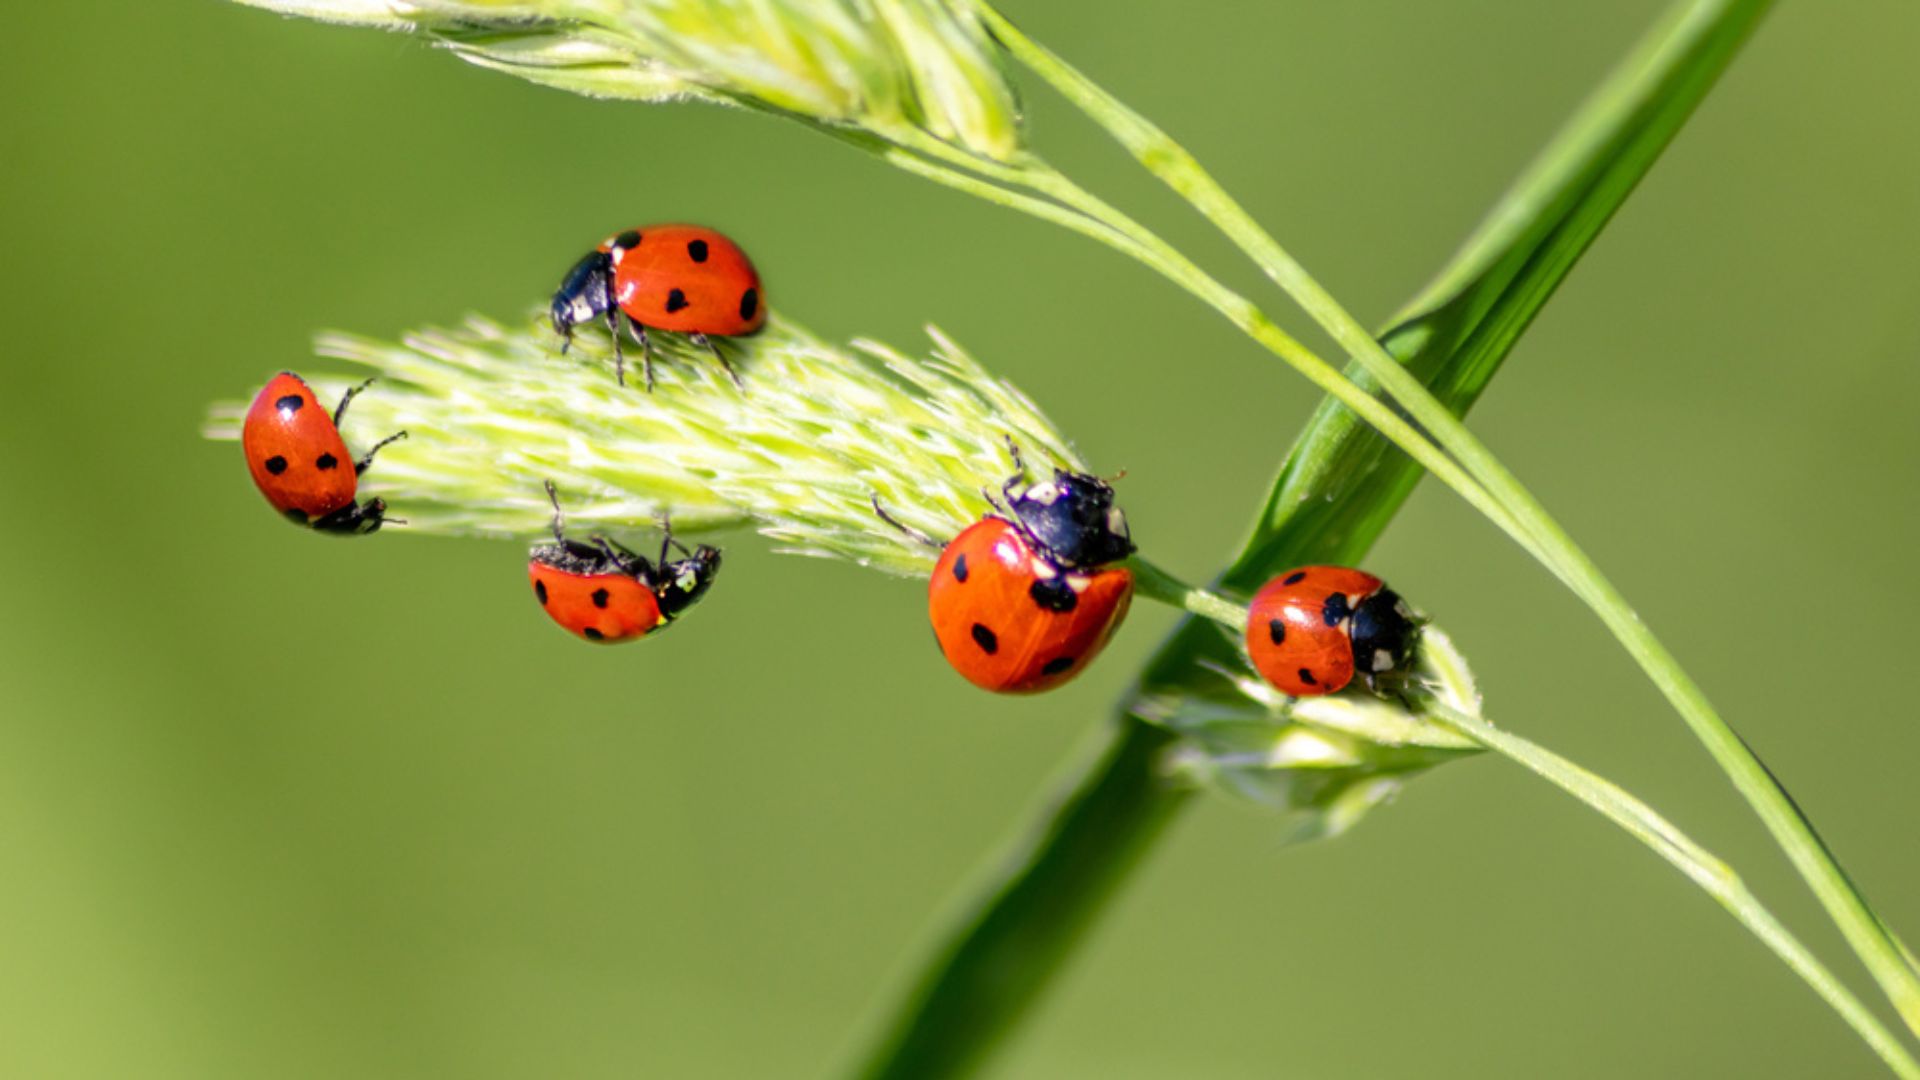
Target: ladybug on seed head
1025 598
602 592
685 279
300 463
1310 630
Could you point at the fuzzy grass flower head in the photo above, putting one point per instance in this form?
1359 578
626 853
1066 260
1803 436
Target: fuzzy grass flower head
802 453
1320 763
899 69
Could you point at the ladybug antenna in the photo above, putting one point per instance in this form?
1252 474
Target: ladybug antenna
995 503
1115 478
912 533
559 519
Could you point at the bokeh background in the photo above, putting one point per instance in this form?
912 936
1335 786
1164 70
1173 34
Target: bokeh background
278 806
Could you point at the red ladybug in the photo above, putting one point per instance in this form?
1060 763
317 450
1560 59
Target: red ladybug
1021 601
300 463
1310 629
603 592
686 279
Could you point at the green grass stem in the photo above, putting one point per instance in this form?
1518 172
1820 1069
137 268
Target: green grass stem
1715 29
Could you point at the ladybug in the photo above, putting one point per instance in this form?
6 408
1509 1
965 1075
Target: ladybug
300 463
686 279
1023 600
603 592
1310 629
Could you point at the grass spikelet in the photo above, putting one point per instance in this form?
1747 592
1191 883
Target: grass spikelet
820 431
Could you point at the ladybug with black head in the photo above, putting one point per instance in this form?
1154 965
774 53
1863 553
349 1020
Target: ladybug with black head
1025 598
300 463
686 279
602 592
1313 628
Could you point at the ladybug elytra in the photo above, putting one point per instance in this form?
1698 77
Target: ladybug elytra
300 463
1311 629
1023 600
685 279
603 592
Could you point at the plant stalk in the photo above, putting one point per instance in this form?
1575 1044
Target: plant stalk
1519 512
1700 866
968 999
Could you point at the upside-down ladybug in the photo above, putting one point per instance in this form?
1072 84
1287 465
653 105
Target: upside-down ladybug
603 592
1023 600
300 463
1310 629
686 279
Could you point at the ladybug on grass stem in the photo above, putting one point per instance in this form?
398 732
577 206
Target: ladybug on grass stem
1311 629
603 592
1024 599
300 463
685 279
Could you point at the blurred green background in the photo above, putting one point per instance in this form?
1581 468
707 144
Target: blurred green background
279 806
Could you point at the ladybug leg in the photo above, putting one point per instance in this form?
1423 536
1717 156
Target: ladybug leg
714 348
646 350
607 548
341 409
613 331
667 540
912 533
1019 465
361 465
623 557
559 519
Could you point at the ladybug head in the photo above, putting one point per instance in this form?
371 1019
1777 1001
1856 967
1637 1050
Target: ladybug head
584 293
678 584
1384 633
1074 518
351 520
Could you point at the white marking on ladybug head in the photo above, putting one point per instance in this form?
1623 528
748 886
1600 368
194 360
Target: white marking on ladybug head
1382 661
1045 493
615 252
1404 611
1117 521
1043 569
1078 582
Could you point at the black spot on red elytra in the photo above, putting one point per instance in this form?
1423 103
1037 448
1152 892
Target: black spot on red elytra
1335 609
984 637
594 635
325 462
1277 630
960 568
540 591
697 250
276 464
749 303
1054 594
1307 677
675 301
600 598
1056 665
1295 578
290 404
627 240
